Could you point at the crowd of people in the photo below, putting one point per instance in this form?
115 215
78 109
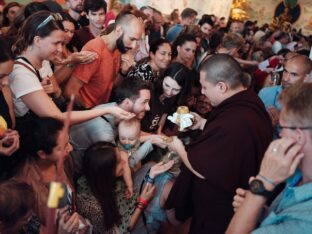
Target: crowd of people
85 95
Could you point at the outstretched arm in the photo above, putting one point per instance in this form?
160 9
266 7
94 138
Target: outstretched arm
177 146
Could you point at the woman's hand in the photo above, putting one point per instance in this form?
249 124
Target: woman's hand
238 198
120 113
148 192
82 57
67 223
160 167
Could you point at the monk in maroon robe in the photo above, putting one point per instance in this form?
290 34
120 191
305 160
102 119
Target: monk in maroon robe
229 151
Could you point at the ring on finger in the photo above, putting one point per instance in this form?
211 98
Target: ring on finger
274 150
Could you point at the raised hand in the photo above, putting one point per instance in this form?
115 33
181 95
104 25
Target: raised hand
160 167
83 57
281 160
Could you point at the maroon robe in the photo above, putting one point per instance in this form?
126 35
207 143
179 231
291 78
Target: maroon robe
228 152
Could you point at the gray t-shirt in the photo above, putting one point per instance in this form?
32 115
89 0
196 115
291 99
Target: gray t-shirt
85 134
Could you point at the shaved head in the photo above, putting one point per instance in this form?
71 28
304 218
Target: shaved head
222 68
296 69
127 19
129 30
303 62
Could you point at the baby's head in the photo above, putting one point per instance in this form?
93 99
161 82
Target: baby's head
129 133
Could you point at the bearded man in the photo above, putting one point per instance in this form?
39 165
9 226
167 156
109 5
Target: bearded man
92 83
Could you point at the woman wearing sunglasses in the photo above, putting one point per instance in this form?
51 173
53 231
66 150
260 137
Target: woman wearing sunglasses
39 39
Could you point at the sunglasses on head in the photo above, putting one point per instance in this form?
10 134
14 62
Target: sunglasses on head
53 16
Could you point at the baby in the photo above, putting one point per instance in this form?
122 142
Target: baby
131 149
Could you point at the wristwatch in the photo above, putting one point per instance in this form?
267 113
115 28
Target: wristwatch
256 186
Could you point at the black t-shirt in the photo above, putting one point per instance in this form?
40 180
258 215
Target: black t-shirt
150 122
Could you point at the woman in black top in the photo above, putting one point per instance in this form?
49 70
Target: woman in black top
169 92
159 59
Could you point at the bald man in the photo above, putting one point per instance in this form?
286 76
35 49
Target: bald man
92 83
296 69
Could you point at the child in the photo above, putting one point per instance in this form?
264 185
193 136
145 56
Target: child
131 150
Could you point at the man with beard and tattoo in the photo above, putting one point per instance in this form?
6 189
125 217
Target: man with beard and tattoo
92 83
75 9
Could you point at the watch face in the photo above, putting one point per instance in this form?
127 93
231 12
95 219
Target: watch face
256 187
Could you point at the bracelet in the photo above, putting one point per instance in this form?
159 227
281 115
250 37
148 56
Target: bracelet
267 180
149 179
140 206
143 201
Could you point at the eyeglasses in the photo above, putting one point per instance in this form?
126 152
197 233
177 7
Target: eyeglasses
294 127
53 16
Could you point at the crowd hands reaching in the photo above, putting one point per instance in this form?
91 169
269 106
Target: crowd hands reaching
128 69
